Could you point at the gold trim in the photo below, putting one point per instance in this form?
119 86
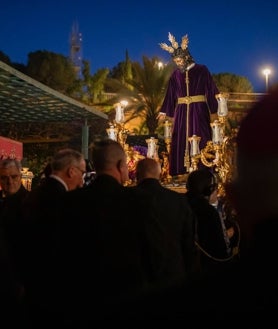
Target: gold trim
191 99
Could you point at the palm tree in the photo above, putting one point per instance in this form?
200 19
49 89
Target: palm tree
145 91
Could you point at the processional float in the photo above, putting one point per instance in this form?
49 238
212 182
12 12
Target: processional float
218 154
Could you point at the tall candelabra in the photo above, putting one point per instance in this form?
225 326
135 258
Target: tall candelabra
165 175
168 135
194 152
117 130
219 152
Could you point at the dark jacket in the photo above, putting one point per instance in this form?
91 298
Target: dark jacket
41 278
210 236
113 249
175 215
12 223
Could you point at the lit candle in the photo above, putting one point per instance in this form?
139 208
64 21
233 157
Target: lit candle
222 106
112 133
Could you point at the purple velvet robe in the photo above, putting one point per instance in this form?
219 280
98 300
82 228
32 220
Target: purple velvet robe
200 83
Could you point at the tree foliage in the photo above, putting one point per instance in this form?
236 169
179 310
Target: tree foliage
5 58
231 83
122 71
51 69
145 91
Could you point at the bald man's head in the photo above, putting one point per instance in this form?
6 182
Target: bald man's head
109 157
148 168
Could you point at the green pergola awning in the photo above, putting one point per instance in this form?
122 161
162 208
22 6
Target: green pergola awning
23 99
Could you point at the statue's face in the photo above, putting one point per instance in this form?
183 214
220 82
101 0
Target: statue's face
180 62
182 59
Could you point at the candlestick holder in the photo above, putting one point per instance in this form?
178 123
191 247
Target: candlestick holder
122 134
194 141
219 154
26 178
166 177
117 130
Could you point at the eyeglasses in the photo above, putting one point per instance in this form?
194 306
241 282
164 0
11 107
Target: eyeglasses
6 178
82 171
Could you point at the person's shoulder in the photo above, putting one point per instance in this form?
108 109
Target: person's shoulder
135 191
170 191
141 198
79 193
202 67
23 191
50 183
176 73
19 196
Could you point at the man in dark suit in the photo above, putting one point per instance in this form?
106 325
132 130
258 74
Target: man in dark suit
171 208
40 212
114 250
12 195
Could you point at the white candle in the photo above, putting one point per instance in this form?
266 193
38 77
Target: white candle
195 145
216 134
151 153
119 114
112 134
222 106
167 130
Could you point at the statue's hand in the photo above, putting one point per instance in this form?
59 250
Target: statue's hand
161 116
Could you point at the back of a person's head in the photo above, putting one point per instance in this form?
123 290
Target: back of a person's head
106 154
147 168
46 170
257 158
254 191
65 158
257 139
201 182
257 135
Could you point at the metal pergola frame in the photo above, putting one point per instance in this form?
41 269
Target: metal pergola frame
23 99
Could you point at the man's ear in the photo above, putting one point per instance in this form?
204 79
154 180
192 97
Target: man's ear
119 165
70 171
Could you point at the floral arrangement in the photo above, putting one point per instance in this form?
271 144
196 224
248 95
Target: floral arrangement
134 154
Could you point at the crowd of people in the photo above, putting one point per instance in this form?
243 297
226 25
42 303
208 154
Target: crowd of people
73 255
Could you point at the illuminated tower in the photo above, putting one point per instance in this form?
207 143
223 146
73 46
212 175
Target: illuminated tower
76 48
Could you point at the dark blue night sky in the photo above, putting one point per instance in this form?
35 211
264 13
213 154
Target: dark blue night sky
239 37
